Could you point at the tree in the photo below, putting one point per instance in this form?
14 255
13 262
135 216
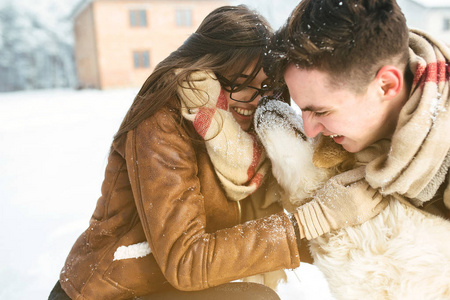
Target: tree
33 54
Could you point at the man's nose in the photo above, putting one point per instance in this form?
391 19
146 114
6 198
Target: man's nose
311 126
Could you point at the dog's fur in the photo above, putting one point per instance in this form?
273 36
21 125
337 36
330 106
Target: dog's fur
403 253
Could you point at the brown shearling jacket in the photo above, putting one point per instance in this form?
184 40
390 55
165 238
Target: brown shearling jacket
161 187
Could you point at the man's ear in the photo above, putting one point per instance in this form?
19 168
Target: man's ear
391 81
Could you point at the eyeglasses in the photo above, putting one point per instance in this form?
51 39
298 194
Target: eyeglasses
241 93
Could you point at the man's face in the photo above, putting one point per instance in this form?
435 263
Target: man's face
351 119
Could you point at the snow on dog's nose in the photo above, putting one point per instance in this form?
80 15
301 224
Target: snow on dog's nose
280 130
273 112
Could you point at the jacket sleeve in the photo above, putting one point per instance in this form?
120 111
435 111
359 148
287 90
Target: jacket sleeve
162 167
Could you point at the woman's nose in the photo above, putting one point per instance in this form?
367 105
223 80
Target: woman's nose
256 100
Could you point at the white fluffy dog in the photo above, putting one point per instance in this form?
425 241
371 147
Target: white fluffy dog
403 253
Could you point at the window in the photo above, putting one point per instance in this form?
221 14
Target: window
138 18
447 24
141 59
183 17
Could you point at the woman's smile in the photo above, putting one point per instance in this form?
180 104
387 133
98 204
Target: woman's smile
244 111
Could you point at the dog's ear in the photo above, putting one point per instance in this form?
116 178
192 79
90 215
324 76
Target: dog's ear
328 154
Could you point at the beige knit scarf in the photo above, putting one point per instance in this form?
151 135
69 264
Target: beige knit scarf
418 160
239 159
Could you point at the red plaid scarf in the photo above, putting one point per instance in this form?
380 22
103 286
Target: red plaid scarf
238 158
418 160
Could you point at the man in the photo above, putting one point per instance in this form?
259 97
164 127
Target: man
361 78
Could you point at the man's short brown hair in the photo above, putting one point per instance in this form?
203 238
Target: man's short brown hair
349 39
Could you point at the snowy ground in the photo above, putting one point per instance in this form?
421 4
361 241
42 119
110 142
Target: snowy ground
53 150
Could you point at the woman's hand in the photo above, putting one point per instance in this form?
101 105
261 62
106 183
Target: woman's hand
345 200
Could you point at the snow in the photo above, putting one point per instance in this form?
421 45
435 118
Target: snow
53 155
54 145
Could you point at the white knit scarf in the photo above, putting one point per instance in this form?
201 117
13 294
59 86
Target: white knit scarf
418 160
238 158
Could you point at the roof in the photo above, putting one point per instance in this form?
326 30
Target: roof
78 8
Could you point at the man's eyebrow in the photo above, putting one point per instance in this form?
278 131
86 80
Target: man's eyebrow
313 108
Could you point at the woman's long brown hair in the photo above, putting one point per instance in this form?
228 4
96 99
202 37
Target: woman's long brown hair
228 40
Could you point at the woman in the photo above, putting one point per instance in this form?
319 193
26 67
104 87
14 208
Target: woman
184 174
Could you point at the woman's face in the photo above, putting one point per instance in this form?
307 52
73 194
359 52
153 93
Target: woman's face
243 112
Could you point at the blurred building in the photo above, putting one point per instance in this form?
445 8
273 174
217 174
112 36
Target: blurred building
432 16
119 42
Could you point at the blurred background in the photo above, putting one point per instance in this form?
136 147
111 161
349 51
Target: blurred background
115 44
99 43
69 70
